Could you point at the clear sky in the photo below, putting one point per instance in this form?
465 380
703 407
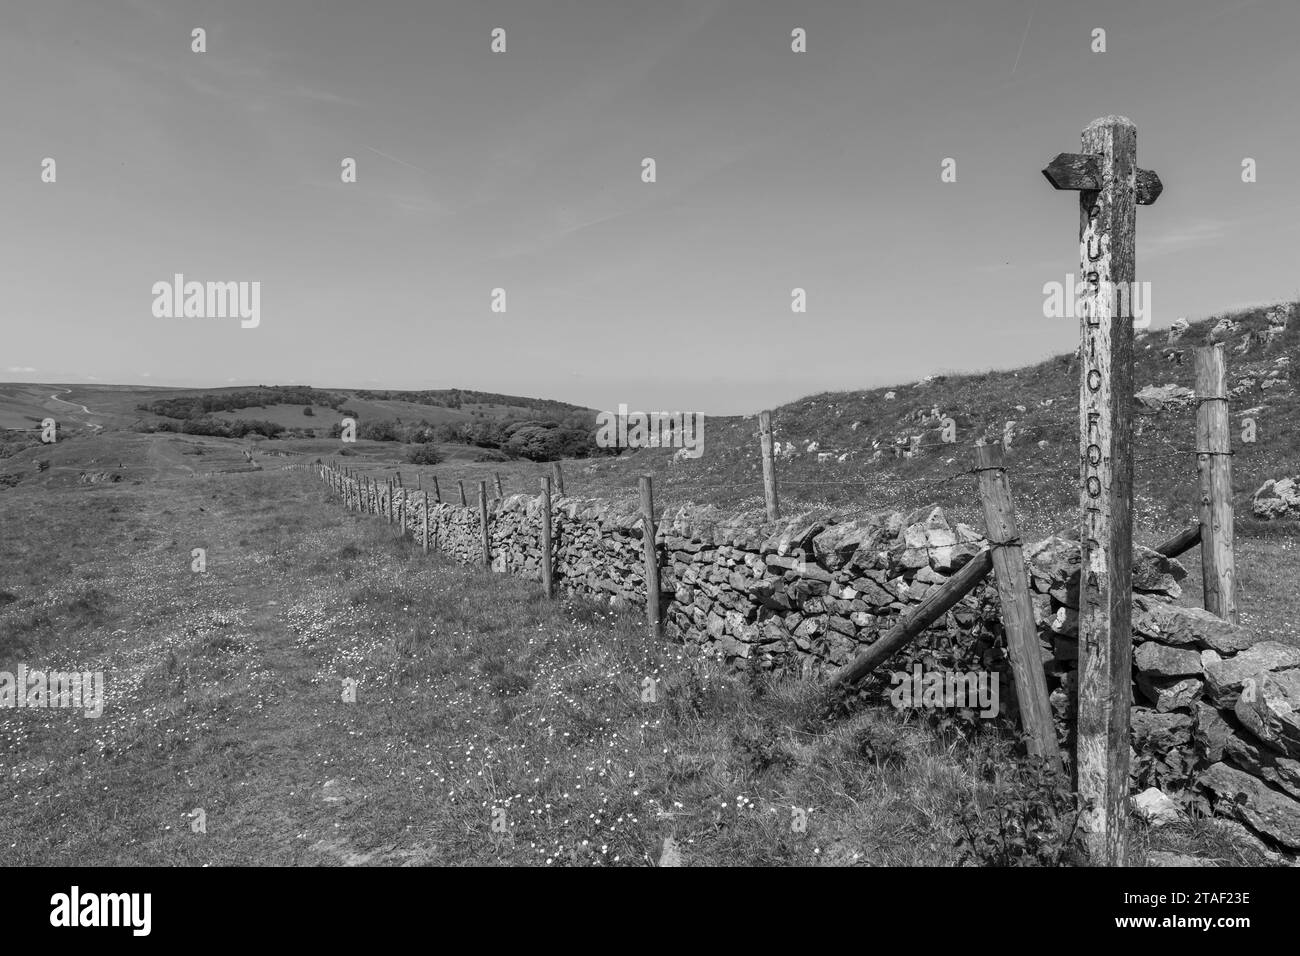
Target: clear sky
522 170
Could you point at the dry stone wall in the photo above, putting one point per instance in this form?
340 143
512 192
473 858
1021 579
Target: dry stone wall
1215 713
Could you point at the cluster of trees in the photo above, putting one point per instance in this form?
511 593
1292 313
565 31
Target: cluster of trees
219 428
535 440
197 406
459 397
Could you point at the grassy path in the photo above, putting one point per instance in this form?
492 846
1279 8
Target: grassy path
478 703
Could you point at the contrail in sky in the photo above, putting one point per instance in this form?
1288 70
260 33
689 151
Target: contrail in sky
402 161
1022 42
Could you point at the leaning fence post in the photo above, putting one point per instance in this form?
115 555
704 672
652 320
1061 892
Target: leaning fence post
769 464
1214 464
437 492
559 478
500 493
547 571
483 520
653 618
463 502
1017 606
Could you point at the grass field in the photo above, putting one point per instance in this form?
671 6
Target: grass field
477 700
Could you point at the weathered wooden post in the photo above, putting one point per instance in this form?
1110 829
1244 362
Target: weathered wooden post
463 502
653 617
424 521
1017 606
1214 464
419 481
388 500
769 464
401 515
437 492
558 475
500 493
1110 186
483 520
547 571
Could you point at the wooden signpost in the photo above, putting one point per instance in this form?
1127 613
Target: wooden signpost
1110 186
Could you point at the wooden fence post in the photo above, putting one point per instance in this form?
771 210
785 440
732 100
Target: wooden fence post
653 617
547 571
401 514
1214 464
463 502
437 492
500 493
419 481
558 474
1017 606
388 501
424 522
1110 187
769 464
483 520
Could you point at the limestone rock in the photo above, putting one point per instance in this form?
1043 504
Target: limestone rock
1155 806
1161 660
1224 678
1266 811
1282 772
1170 693
1186 626
1278 499
1156 398
1269 707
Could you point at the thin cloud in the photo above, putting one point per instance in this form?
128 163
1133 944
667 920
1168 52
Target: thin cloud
395 159
1176 240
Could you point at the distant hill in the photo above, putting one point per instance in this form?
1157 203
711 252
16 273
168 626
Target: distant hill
455 416
837 448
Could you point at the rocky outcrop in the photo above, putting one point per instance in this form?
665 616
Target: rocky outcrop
1155 398
1277 499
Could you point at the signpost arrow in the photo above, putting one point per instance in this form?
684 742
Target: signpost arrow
1110 187
1083 171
